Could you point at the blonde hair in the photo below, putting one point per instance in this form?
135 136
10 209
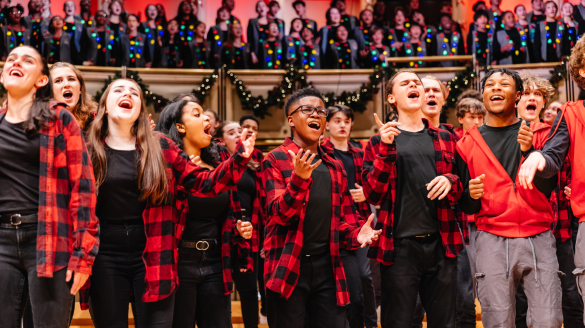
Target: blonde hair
541 84
577 62
85 107
443 89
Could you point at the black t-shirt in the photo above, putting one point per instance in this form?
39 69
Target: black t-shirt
206 216
317 223
119 195
247 191
20 159
348 165
414 213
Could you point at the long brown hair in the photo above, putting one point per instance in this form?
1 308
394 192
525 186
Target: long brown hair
152 178
85 106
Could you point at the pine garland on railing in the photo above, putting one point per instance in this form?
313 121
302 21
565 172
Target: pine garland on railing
461 82
559 73
203 90
159 102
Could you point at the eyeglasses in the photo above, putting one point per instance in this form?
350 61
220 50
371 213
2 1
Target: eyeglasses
309 110
102 15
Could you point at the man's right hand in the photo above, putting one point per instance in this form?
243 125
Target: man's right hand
476 187
535 161
387 131
302 163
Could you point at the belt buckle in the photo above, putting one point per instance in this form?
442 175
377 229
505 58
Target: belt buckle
14 223
204 247
424 236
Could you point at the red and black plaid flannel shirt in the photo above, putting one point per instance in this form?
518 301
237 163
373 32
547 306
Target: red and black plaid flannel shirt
379 188
68 230
286 199
164 223
358 162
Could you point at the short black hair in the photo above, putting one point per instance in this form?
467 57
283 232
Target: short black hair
299 2
504 13
504 71
477 5
480 13
518 6
444 15
300 94
273 3
249 117
339 109
414 24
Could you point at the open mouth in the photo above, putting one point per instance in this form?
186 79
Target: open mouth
315 126
16 72
432 103
207 130
414 95
68 95
126 104
531 108
497 98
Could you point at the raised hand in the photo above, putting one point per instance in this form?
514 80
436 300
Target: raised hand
476 187
387 131
535 161
439 186
358 194
245 229
302 163
248 144
367 235
152 124
525 137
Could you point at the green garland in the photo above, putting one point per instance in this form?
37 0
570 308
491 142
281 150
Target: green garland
203 90
461 82
559 73
276 96
159 102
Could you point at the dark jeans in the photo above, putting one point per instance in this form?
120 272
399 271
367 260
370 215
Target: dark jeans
465 315
370 315
313 302
572 301
261 287
247 285
50 298
201 297
355 309
419 267
118 272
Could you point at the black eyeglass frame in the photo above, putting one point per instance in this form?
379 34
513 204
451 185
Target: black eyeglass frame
313 109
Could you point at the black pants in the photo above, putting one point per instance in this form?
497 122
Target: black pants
572 301
465 314
50 298
313 301
419 267
370 315
118 272
355 309
201 297
261 286
247 285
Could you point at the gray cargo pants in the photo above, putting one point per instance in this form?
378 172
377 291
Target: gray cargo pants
580 261
504 263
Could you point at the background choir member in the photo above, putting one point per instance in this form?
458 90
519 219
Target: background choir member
271 54
273 9
135 49
548 35
100 44
510 46
218 34
235 53
448 42
343 53
152 28
36 24
310 54
479 40
75 28
398 35
416 46
186 20
59 45
171 53
293 42
15 32
328 33
570 29
537 14
258 30
201 52
377 51
301 10
348 20
85 15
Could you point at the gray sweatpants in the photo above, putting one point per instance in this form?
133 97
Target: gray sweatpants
580 261
504 263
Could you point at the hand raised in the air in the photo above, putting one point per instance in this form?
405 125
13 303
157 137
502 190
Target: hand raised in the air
302 163
387 131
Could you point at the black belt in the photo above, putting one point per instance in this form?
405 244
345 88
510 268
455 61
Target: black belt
423 239
17 219
201 245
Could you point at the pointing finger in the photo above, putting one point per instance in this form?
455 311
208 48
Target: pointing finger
380 124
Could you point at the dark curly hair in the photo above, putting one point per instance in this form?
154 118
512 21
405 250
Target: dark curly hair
167 124
504 71
577 62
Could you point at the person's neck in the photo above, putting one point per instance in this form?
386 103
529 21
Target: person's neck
133 33
303 16
509 28
313 146
496 9
523 21
550 19
412 40
85 15
567 19
410 121
151 23
237 41
16 25
271 38
36 15
191 149
46 13
399 27
339 143
115 19
295 35
309 42
434 121
334 24
501 120
483 30
120 136
199 39
186 17
19 106
342 41
101 28
223 26
70 19
537 12
58 33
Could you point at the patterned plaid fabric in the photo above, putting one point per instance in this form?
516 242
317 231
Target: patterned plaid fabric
164 223
286 199
358 161
380 189
68 230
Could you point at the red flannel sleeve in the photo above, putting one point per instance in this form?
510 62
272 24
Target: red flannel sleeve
379 169
82 200
195 180
284 201
456 188
351 222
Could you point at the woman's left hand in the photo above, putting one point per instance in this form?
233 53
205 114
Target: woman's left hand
248 144
152 124
245 229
